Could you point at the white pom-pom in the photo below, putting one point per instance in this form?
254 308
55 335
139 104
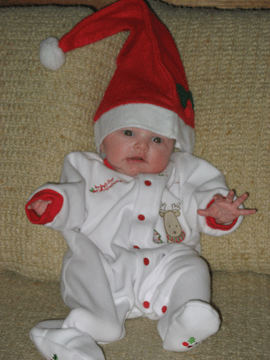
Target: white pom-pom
50 54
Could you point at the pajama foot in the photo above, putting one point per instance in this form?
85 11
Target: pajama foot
194 322
55 343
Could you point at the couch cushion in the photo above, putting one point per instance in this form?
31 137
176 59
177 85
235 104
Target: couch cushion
45 115
242 298
98 4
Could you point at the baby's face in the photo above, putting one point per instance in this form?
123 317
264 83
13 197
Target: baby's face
132 151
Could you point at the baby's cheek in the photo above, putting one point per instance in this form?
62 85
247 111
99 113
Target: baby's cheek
159 163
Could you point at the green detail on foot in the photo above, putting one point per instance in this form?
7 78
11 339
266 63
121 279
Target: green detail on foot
55 357
191 340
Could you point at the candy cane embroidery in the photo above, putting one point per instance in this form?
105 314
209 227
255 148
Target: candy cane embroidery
157 238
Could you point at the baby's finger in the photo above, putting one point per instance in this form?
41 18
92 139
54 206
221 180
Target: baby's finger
240 200
247 212
218 197
230 196
203 212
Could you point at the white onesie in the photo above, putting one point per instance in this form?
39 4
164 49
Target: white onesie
133 251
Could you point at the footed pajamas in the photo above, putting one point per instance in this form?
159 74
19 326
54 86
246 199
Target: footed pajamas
133 251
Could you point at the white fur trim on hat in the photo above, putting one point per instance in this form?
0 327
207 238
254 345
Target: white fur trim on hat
50 54
149 117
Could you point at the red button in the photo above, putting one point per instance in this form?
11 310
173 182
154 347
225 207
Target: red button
141 217
164 309
148 183
146 261
146 304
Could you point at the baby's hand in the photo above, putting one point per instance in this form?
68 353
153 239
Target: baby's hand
225 210
39 206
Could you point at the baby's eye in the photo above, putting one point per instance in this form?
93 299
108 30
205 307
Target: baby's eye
157 140
128 133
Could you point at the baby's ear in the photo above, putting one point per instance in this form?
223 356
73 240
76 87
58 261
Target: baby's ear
102 148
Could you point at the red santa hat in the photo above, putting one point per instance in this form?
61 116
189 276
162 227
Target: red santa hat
149 88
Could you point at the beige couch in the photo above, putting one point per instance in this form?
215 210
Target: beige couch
45 115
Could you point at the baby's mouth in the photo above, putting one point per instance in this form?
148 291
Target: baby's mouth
135 159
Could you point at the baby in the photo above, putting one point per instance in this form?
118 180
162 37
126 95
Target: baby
132 214
116 268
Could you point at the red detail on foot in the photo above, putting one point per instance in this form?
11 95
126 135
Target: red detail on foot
164 309
185 343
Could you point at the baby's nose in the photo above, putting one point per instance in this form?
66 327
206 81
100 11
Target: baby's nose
142 144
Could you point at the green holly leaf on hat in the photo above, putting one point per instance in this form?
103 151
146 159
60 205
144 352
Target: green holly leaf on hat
184 96
55 357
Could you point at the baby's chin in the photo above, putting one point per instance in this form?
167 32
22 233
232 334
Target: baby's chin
135 170
131 173
131 170
133 166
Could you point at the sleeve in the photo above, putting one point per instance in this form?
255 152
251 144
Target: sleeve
68 206
211 222
52 209
200 182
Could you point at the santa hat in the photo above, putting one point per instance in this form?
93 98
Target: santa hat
149 88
